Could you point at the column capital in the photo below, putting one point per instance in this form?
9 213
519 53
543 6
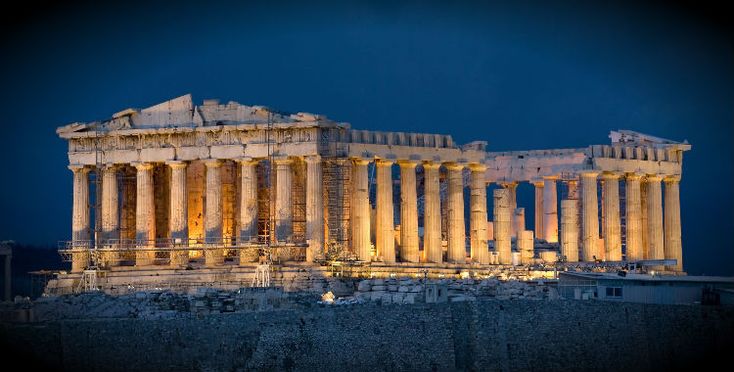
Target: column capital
452 166
654 177
142 166
246 160
212 163
477 167
634 176
176 164
384 162
589 174
610 175
79 168
673 178
431 165
407 163
111 167
312 159
537 183
360 161
282 160
508 184
551 178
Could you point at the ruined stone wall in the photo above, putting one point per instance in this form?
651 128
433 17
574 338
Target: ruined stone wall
481 335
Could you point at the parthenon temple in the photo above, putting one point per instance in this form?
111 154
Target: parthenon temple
215 185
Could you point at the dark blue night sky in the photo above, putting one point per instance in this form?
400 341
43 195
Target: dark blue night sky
530 76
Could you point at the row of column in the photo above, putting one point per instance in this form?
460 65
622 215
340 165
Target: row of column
409 239
650 233
178 216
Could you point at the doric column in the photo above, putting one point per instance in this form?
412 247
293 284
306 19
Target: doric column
655 218
455 202
518 221
110 204
643 218
213 255
673 244
408 212
360 217
612 224
385 221
283 205
538 209
178 214
550 210
633 223
478 216
512 189
314 208
432 214
80 219
590 216
570 229
144 214
502 223
248 200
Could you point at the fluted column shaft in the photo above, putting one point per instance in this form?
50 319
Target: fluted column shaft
432 214
538 209
518 221
110 203
144 213
550 210
502 225
283 206
80 218
213 213
570 229
408 212
655 233
633 223
612 223
590 216
314 208
512 189
456 227
478 216
360 210
385 224
673 243
248 200
178 217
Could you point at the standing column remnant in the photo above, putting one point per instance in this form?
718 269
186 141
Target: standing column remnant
248 200
385 220
110 204
502 223
570 230
590 215
213 255
643 219
144 215
283 206
314 208
478 219
539 210
361 210
612 224
178 220
633 223
512 189
550 210
525 246
408 212
655 218
673 243
432 214
518 221
455 203
80 243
